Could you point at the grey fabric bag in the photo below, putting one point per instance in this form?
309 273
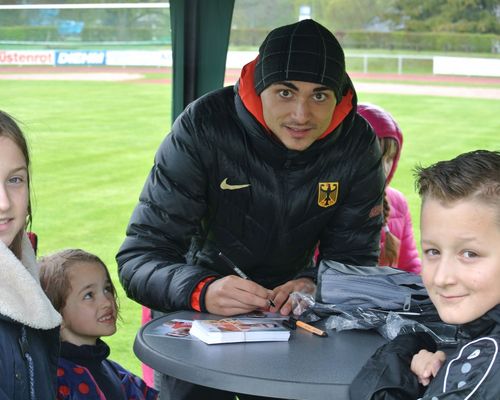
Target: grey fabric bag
346 288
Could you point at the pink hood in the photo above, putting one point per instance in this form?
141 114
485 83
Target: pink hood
384 126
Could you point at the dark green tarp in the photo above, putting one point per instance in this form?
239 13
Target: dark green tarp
200 38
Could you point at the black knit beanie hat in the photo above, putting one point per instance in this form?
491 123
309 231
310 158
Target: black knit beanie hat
304 51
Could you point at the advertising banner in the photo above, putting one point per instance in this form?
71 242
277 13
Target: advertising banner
80 57
26 57
145 58
466 66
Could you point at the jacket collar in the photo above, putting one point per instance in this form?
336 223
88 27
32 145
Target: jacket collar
97 353
489 323
22 299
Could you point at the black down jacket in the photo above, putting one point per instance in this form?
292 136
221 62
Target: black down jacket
471 371
270 225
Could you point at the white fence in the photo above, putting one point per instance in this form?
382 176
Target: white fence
466 66
400 59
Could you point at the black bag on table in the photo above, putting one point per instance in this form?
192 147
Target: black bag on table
348 287
389 299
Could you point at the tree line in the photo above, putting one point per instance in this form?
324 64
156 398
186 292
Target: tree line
461 16
452 16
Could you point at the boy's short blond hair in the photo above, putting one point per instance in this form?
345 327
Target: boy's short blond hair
474 175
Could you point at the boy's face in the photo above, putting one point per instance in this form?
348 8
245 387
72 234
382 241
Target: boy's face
461 258
90 310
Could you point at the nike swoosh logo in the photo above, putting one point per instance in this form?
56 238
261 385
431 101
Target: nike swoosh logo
226 186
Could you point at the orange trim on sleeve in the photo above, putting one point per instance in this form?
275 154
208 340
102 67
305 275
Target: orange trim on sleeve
195 297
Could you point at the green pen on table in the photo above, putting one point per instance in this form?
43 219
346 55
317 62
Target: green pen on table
239 272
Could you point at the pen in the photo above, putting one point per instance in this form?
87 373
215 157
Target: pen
311 328
233 266
239 272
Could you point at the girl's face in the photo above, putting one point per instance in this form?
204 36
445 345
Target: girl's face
90 310
389 150
387 163
14 192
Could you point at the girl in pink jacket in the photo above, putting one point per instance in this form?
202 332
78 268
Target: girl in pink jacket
397 244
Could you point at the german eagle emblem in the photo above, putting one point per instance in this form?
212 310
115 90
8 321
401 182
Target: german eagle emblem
327 193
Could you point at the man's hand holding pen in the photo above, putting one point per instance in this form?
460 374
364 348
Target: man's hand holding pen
232 295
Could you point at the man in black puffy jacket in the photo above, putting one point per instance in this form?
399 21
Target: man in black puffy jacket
260 172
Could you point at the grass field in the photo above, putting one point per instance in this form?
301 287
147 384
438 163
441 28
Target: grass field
94 142
92 146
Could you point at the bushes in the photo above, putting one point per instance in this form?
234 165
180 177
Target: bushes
248 37
426 41
110 34
29 33
89 34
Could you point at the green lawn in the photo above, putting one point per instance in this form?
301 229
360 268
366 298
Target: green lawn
437 128
94 142
92 145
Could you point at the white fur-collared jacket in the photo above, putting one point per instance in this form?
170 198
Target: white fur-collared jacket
29 330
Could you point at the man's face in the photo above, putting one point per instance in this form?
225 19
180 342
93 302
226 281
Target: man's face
298 113
461 258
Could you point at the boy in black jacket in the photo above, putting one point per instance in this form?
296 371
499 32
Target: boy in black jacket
460 237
